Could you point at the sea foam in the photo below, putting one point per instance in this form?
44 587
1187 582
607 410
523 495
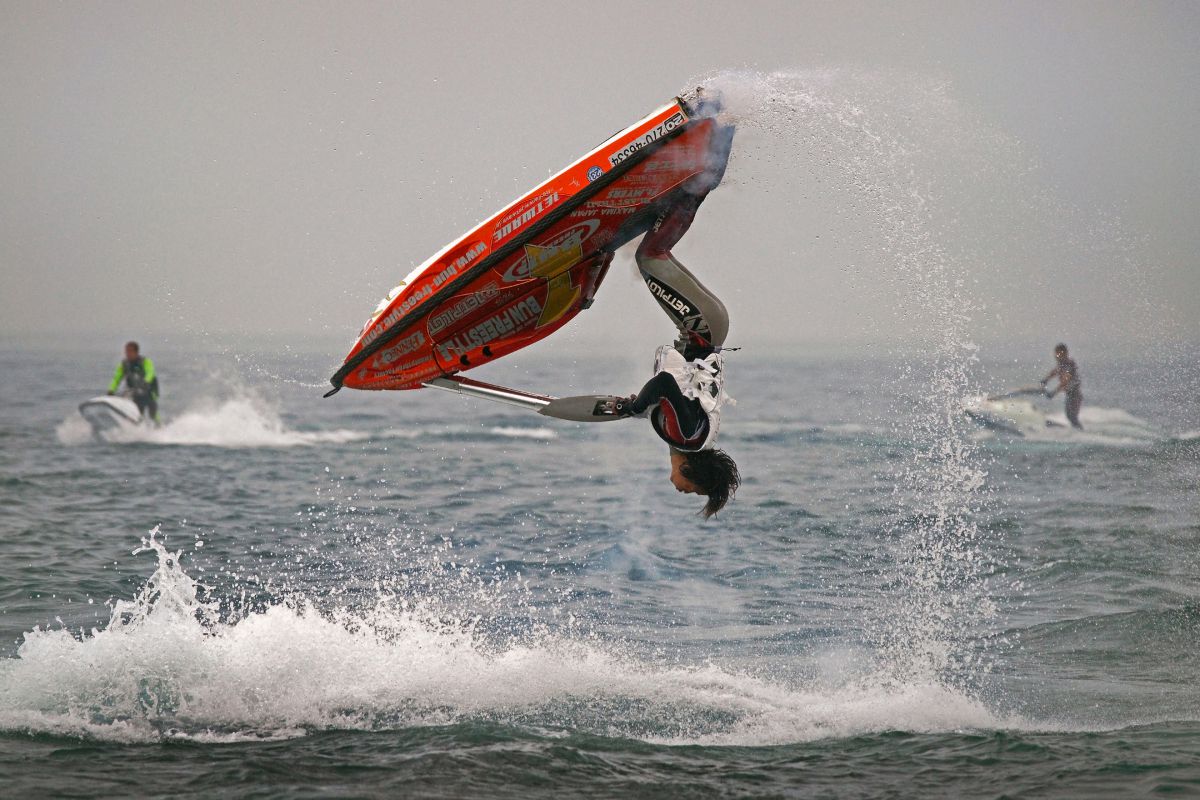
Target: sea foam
168 666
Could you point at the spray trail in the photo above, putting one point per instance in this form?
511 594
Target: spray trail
873 139
173 664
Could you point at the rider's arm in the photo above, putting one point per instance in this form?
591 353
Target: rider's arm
148 366
660 386
1064 377
118 376
663 386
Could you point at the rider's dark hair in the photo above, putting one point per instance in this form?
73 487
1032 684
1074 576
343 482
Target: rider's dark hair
134 345
715 473
1060 348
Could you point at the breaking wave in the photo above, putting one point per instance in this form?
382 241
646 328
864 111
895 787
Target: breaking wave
169 666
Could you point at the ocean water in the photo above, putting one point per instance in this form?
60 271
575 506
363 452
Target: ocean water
380 593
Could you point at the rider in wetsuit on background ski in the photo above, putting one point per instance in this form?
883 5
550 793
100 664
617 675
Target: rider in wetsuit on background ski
137 372
1069 382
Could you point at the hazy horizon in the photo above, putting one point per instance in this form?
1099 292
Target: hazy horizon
178 172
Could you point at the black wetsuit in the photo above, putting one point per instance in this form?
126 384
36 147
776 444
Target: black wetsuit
678 420
699 316
1073 391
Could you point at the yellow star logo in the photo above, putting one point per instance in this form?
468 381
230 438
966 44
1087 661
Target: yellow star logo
553 263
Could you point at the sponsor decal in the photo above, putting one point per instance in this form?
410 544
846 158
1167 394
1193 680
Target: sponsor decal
630 194
594 173
409 303
592 211
670 161
560 294
552 263
397 313
545 257
412 365
456 266
531 210
689 319
546 262
648 138
411 375
423 293
463 307
517 317
666 296
588 209
399 350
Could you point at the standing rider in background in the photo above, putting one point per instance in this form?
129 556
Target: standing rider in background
142 384
1069 382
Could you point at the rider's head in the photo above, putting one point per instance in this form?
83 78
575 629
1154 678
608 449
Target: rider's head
707 472
131 350
1060 350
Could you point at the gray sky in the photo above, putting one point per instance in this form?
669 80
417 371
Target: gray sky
174 170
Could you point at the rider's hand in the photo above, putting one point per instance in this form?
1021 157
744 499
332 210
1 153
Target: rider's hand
620 405
111 392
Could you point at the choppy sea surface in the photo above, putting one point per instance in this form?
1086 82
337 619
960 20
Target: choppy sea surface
381 594
394 594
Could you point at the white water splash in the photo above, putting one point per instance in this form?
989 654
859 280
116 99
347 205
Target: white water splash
877 143
1036 422
516 432
238 422
166 666
247 421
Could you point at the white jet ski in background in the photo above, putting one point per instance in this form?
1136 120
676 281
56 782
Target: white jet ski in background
110 412
1011 412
